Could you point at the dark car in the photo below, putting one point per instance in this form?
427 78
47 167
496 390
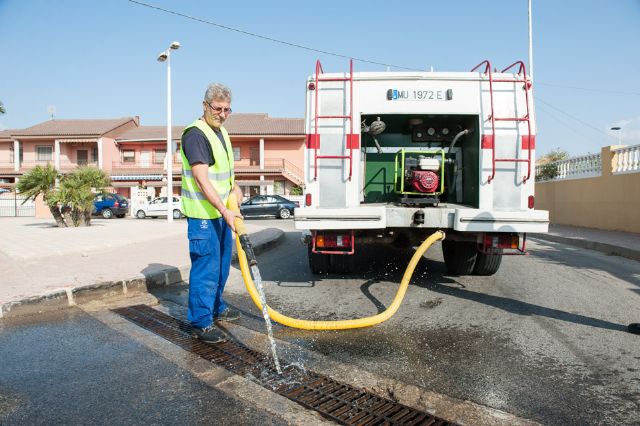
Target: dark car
109 205
268 205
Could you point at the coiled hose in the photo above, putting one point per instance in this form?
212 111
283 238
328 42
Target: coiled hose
243 246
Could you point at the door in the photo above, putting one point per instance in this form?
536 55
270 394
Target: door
254 206
254 156
158 207
271 206
145 158
82 156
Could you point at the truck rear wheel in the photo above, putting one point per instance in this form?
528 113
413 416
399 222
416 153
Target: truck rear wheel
318 262
459 256
487 264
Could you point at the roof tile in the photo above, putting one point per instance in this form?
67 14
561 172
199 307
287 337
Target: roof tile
88 127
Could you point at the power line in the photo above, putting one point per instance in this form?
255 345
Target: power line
617 92
286 43
326 52
572 117
563 122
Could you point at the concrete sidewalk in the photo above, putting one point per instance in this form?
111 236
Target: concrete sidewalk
617 243
45 267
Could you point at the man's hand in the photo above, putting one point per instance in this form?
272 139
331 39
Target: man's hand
229 216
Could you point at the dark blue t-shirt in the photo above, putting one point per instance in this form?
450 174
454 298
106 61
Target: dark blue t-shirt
196 147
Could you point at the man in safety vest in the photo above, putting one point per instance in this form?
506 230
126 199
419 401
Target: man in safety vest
207 181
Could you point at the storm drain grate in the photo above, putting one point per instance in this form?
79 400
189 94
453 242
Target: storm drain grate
334 400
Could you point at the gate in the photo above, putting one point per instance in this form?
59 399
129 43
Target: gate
11 205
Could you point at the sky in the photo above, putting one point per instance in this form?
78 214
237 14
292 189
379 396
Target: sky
97 59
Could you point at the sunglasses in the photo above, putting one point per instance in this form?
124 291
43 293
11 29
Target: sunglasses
218 110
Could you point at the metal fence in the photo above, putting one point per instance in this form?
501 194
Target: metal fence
11 205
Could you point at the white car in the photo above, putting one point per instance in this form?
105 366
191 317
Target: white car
158 207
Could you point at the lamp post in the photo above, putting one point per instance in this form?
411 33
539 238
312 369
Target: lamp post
619 130
162 57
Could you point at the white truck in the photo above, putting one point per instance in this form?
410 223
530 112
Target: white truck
392 156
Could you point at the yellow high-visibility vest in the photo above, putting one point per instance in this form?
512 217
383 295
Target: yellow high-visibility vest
194 203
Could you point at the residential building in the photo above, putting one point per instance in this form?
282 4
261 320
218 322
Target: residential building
66 144
268 152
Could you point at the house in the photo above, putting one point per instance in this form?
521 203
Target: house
66 144
268 155
268 152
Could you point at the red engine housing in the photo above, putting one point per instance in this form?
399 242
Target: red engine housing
424 181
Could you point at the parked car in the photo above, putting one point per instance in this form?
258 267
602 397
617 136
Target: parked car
268 205
109 205
158 207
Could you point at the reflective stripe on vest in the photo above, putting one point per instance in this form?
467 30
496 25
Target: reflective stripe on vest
220 174
212 176
199 195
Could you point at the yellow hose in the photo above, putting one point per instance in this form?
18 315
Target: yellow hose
329 325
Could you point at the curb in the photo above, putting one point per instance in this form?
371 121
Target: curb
69 297
605 248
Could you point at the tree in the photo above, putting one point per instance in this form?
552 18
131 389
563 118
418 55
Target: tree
548 168
296 190
78 190
42 180
2 108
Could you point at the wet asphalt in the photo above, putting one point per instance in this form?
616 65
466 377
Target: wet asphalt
68 368
543 339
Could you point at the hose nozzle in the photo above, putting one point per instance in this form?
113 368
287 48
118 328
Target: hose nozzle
245 242
241 230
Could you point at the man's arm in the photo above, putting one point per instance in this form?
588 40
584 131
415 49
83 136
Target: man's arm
201 175
238 192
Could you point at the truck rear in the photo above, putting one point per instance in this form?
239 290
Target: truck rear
392 156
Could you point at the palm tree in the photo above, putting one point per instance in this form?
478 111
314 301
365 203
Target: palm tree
77 190
42 180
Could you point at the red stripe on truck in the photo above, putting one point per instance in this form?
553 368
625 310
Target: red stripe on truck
313 141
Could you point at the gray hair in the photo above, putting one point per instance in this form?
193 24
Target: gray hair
218 92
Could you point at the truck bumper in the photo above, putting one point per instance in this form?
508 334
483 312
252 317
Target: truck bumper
389 216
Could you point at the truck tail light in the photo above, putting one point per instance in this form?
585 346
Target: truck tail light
340 241
307 200
501 241
531 201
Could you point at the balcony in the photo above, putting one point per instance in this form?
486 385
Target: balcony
272 166
7 167
67 166
135 168
28 165
243 167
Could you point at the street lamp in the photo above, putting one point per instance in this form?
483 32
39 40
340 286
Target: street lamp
619 129
162 57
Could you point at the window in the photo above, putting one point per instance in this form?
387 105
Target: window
44 153
128 156
94 155
82 157
11 157
159 155
278 187
236 153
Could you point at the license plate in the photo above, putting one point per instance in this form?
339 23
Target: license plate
419 95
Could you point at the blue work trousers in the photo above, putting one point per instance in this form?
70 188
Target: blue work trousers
210 252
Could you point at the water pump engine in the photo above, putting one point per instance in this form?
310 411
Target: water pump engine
422 172
424 178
